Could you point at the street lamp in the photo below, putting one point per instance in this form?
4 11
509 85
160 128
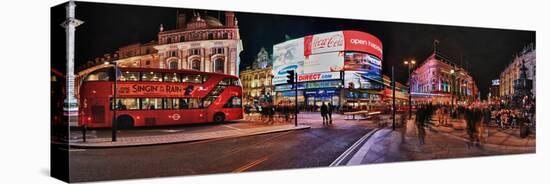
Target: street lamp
410 64
114 123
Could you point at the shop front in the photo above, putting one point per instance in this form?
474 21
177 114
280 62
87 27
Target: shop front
356 100
316 97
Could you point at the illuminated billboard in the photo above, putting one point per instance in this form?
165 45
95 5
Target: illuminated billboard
288 55
324 62
361 80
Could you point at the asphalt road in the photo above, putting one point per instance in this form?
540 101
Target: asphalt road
315 147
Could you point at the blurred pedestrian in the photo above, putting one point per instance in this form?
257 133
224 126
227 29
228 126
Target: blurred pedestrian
324 111
329 112
403 126
270 113
420 119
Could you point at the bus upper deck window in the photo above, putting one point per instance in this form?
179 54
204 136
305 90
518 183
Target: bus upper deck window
171 77
151 76
129 76
192 78
236 82
204 78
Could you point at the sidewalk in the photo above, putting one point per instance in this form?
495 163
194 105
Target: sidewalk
184 135
440 142
492 137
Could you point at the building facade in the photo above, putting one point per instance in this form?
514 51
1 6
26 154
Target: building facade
440 82
256 80
257 86
203 43
494 91
511 73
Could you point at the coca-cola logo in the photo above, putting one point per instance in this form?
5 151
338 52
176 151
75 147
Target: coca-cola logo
335 40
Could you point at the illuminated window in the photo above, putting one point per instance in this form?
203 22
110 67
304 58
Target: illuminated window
151 76
233 102
129 76
208 100
193 78
194 103
126 103
151 103
172 103
171 77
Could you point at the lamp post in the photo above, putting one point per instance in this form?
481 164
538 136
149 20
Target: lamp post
410 64
114 124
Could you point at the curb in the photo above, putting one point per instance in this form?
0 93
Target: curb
361 141
180 141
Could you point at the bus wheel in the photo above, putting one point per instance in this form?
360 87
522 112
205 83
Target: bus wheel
125 122
219 117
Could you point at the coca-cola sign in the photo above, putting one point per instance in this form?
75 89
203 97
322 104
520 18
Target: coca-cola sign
325 42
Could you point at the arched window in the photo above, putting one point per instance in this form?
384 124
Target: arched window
196 65
173 64
219 66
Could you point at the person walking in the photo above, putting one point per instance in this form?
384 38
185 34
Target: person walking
470 126
403 126
420 118
270 113
329 112
324 111
286 112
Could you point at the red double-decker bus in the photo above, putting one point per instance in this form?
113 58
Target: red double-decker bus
154 97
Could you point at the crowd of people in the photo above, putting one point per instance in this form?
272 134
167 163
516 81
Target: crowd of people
476 118
270 113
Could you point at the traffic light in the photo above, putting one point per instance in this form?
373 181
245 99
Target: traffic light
290 77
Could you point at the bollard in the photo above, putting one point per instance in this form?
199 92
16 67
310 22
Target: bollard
84 128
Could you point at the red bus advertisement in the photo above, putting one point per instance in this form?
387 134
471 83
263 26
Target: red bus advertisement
156 97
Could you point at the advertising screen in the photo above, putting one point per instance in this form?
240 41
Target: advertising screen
324 42
356 61
288 52
361 80
363 42
288 55
495 82
324 62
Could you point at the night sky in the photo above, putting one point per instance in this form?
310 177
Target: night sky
484 52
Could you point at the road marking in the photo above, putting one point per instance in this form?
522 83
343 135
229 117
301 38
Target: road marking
172 131
231 127
346 153
250 165
77 149
71 149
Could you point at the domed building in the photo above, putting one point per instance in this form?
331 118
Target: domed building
201 43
